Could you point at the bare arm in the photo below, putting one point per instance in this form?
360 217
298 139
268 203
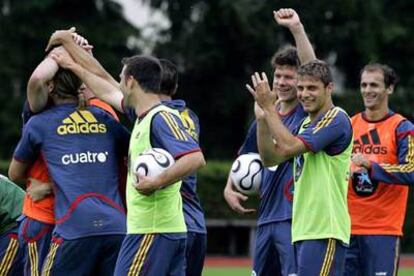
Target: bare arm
17 170
37 87
290 19
107 92
184 166
287 145
87 61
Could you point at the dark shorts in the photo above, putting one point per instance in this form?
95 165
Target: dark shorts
11 257
94 255
151 254
320 257
195 253
35 238
372 255
273 252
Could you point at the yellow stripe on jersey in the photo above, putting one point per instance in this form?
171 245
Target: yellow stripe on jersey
172 124
329 256
403 168
88 116
9 256
34 259
189 124
50 259
326 120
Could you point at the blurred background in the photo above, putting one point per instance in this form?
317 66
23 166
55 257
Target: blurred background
217 45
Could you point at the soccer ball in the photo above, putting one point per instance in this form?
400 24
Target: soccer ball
153 162
246 173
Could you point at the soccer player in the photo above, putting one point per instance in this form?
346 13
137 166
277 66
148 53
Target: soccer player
11 203
155 242
274 253
35 231
382 158
321 151
193 213
81 148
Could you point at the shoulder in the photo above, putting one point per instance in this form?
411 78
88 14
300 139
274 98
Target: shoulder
335 116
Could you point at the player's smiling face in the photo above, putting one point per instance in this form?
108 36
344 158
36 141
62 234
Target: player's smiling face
373 90
313 94
284 82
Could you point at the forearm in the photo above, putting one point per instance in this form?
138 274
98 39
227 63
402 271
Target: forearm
87 61
397 174
266 145
182 167
303 45
101 88
287 145
37 91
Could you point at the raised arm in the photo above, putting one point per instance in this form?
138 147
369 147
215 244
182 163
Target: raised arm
290 19
38 85
87 61
101 87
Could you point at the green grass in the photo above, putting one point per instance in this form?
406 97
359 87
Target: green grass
244 271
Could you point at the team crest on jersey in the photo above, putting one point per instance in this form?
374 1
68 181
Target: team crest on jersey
362 184
81 122
369 143
299 162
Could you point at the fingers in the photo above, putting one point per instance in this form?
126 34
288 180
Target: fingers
251 90
72 29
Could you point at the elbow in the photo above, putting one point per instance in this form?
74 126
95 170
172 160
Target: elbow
201 162
13 175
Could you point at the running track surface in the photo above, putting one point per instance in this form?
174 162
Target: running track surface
406 261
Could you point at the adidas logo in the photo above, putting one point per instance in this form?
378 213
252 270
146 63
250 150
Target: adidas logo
369 143
81 122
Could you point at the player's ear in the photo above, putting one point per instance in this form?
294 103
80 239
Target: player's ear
330 87
50 86
390 89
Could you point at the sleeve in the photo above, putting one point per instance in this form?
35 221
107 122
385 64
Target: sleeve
29 145
121 133
403 172
169 133
332 133
250 141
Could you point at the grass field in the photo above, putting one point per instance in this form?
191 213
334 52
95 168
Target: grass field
244 271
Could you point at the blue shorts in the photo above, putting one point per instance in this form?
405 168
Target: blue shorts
320 257
372 255
11 257
273 252
152 254
195 253
35 238
94 255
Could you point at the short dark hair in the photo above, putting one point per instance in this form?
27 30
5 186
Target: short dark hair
169 79
146 70
66 84
286 55
317 69
390 76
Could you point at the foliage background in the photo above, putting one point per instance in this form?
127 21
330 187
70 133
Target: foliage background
217 45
